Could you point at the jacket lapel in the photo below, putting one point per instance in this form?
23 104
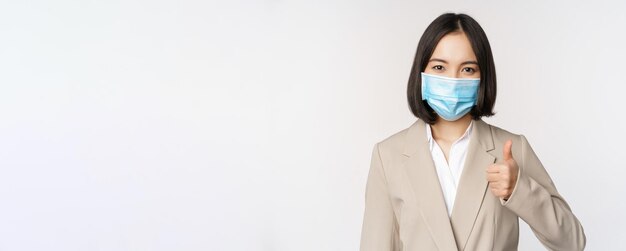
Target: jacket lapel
421 171
473 183
423 177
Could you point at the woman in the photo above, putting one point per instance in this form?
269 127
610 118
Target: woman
451 181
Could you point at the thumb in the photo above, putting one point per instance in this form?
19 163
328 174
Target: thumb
507 150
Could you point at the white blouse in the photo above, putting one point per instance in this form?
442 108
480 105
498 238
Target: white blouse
449 172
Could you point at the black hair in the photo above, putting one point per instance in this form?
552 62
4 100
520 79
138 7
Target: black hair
441 26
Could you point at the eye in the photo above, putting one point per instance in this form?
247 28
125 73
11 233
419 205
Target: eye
469 69
437 67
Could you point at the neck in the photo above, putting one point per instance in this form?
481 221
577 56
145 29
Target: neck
450 130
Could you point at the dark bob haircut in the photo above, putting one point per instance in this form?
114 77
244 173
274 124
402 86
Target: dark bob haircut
441 26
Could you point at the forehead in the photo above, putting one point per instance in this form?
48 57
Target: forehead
454 47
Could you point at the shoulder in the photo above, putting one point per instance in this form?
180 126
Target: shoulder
393 143
502 135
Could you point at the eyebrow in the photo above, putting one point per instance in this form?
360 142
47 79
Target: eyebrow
445 62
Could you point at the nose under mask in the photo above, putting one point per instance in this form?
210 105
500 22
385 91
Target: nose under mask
450 98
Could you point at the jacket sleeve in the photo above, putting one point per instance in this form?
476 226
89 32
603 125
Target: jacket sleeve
536 201
380 229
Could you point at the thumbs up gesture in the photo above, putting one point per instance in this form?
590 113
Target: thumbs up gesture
502 175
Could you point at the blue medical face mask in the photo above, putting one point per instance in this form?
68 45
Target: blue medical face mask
451 98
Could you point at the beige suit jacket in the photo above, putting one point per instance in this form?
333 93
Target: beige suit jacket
405 208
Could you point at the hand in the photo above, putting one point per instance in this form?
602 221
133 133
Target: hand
502 176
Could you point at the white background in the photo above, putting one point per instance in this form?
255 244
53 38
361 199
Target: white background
241 125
